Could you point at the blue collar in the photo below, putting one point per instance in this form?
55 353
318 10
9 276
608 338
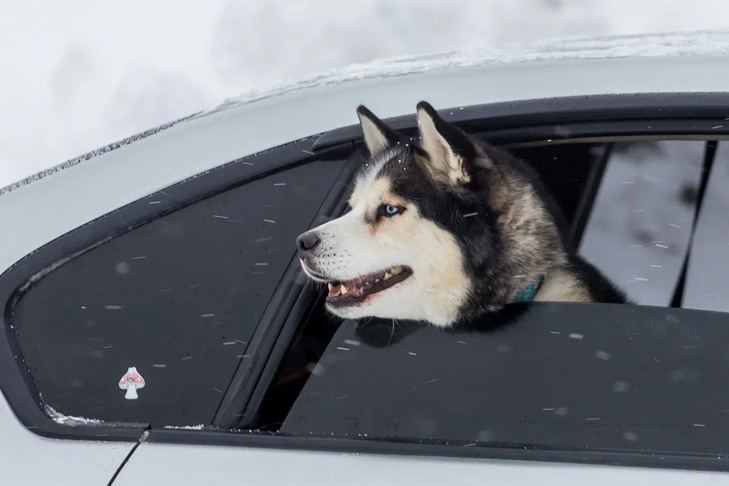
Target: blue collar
527 293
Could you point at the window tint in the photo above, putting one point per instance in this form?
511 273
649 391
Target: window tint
707 281
585 377
639 228
639 214
174 301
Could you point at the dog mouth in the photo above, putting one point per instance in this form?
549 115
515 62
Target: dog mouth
352 292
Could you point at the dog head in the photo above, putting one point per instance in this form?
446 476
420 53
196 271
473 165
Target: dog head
420 240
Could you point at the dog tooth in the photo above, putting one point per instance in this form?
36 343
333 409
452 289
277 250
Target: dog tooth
387 275
331 286
377 280
344 289
396 271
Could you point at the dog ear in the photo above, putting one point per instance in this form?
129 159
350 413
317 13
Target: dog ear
377 136
452 155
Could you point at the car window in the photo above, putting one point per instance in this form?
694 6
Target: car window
550 376
640 224
149 325
547 375
707 279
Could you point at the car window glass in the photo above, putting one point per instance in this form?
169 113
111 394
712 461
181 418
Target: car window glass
172 302
588 377
707 280
639 228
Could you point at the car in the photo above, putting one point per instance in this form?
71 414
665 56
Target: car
159 330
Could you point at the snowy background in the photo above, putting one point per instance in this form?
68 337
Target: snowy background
76 75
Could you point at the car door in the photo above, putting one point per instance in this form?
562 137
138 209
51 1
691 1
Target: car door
246 378
550 393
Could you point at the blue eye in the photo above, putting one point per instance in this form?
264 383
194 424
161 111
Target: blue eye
388 210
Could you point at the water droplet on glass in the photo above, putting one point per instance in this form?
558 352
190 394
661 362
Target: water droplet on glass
630 436
484 436
122 268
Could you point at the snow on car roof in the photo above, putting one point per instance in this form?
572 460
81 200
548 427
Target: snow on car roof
570 48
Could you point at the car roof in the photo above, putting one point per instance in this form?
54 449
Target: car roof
90 186
566 49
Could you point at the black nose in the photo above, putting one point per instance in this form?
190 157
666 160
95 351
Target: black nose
307 241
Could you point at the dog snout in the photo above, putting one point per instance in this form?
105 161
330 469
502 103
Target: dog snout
307 242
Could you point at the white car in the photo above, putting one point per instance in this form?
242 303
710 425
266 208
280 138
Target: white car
158 329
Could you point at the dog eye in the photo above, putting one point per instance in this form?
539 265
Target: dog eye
389 210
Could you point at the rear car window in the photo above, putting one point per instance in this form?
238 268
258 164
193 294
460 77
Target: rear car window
149 325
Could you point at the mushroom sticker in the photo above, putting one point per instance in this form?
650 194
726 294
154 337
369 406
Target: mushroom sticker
131 382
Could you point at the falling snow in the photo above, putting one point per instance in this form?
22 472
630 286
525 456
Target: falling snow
630 436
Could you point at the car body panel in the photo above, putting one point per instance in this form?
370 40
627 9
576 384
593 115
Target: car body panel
27 458
187 464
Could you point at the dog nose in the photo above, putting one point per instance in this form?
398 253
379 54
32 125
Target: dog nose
307 241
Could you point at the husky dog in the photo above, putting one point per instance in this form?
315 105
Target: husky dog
443 232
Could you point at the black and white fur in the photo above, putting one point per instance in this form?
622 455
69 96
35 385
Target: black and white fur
472 226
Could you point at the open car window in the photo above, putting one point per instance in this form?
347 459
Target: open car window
593 378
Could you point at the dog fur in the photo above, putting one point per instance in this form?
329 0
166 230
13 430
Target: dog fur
471 227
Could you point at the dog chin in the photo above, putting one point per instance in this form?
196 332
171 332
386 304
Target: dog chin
367 312
352 312
393 306
381 305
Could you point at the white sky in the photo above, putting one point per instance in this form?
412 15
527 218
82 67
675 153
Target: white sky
78 74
